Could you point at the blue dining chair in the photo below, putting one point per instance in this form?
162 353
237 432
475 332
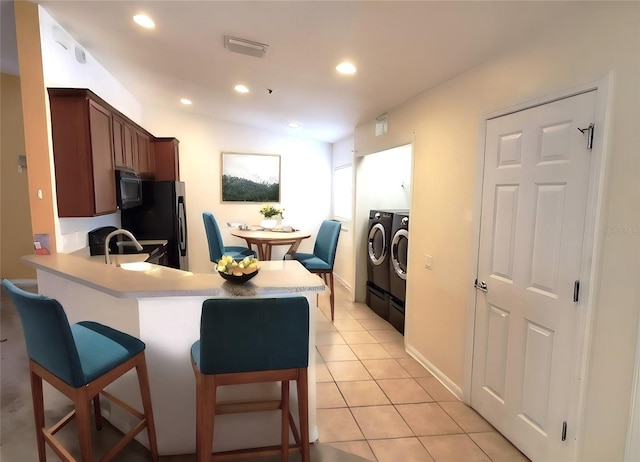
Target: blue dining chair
324 254
216 247
252 341
80 361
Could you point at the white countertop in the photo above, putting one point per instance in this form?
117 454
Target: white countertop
161 281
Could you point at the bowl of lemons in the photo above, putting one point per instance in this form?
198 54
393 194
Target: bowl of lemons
237 271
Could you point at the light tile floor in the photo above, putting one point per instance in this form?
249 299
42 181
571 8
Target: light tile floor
374 401
377 402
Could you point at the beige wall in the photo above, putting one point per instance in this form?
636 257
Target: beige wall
15 220
34 108
343 268
306 199
583 48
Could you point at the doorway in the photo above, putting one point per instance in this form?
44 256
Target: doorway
383 182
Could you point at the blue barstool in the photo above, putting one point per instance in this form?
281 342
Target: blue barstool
252 341
324 254
216 247
80 361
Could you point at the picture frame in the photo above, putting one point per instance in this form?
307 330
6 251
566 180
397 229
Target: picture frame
249 177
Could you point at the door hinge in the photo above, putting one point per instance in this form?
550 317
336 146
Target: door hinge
564 431
576 291
589 131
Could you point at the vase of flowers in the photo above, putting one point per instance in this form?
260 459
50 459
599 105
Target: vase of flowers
271 215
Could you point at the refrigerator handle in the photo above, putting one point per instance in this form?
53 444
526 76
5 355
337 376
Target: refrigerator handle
182 227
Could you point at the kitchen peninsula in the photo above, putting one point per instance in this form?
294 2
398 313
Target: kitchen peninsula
162 307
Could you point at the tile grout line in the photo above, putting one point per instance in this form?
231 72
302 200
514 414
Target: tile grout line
411 376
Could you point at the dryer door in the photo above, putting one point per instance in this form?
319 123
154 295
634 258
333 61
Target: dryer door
377 245
399 253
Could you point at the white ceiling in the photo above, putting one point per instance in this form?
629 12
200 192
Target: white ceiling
400 49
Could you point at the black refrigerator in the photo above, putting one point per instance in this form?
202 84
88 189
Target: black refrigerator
161 216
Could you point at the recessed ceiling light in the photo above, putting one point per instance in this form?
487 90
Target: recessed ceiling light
293 125
186 101
346 68
241 89
144 21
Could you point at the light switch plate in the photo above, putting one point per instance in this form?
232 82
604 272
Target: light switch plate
427 261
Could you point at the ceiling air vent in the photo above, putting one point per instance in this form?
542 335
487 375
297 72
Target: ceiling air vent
245 47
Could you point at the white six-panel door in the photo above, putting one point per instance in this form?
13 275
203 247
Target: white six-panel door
536 179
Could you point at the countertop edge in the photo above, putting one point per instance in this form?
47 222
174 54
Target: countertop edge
103 278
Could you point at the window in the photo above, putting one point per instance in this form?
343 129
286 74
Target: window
343 192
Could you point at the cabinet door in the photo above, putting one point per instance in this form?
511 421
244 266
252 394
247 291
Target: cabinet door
118 143
135 157
130 147
102 159
124 139
167 166
145 161
72 156
151 159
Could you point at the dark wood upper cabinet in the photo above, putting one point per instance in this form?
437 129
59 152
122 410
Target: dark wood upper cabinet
118 142
128 135
90 140
104 187
145 164
167 164
123 143
83 155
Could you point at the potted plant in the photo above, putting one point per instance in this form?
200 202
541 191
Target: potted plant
270 214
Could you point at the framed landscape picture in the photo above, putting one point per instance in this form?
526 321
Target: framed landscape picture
250 177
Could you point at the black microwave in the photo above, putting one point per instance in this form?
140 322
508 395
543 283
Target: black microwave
128 189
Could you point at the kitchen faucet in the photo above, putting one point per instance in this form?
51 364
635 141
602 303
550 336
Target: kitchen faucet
107 258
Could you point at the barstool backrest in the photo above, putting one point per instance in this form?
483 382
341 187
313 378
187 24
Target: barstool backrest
243 335
47 334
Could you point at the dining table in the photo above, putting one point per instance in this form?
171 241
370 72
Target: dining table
264 240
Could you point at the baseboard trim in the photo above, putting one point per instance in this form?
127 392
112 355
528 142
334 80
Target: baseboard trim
343 283
437 373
